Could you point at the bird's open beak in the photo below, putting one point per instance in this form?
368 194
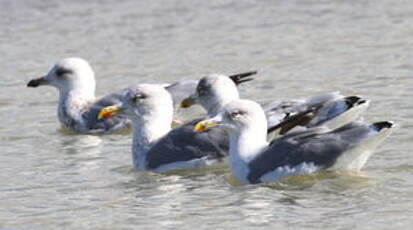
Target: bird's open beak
189 101
205 124
109 111
38 82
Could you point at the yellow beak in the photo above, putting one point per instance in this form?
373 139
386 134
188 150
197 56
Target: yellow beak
109 111
187 102
205 124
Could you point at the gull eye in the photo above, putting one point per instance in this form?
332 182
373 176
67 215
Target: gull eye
62 71
203 87
138 97
236 114
201 90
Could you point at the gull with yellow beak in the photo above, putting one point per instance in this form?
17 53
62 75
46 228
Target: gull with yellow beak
254 160
214 91
156 147
78 107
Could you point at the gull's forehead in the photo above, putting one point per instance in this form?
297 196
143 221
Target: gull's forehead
72 64
212 79
215 76
246 106
149 90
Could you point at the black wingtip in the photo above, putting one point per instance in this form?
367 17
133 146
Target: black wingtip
242 77
354 100
383 125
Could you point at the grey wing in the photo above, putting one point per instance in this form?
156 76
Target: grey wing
115 123
300 104
182 89
340 111
277 110
184 144
311 146
332 114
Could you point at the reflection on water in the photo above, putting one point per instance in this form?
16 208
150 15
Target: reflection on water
87 144
53 179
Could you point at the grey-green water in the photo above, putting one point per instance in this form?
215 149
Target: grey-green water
52 180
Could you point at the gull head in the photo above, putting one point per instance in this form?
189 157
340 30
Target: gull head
143 102
68 74
212 93
218 95
236 116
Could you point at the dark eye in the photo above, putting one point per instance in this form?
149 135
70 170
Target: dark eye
236 114
202 90
138 96
61 71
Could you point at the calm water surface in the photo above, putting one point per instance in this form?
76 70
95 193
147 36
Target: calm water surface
53 180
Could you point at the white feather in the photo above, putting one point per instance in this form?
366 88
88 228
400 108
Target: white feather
283 171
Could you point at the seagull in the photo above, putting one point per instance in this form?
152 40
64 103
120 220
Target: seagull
156 147
253 160
78 107
332 109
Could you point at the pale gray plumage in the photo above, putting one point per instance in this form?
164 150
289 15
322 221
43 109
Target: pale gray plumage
78 107
254 161
311 113
214 91
277 110
181 89
158 148
320 149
